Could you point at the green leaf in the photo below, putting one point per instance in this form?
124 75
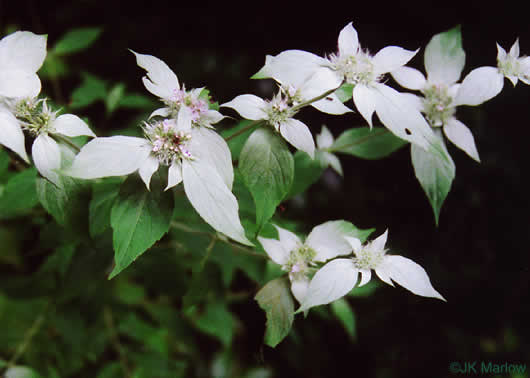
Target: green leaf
343 311
444 56
19 194
91 90
267 168
435 175
67 204
345 92
103 195
139 218
306 172
136 101
217 321
236 143
367 144
276 300
349 229
54 67
76 40
4 164
113 98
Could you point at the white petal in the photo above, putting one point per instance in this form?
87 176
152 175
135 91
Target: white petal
409 78
331 160
354 243
414 101
391 58
47 157
161 112
11 135
461 136
501 53
378 243
174 176
72 126
322 81
148 167
299 288
364 100
212 199
397 114
384 277
298 134
288 239
444 60
291 67
248 106
331 105
161 80
348 40
333 281
212 117
409 275
325 138
327 240
480 85
112 156
18 83
366 276
184 119
207 145
275 250
22 50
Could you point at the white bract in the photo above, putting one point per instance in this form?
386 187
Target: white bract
338 277
21 55
444 62
279 113
324 242
162 82
512 66
196 156
365 72
324 142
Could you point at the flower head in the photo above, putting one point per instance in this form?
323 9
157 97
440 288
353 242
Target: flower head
279 113
339 276
163 83
512 66
444 61
299 258
324 142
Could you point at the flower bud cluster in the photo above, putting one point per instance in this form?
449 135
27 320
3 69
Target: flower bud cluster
35 115
167 142
191 100
299 261
437 105
356 68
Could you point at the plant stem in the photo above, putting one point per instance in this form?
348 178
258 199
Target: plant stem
109 322
245 129
37 323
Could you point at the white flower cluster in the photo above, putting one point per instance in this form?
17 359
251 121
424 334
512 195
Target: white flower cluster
313 286
21 55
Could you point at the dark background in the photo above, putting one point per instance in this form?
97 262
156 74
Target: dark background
477 257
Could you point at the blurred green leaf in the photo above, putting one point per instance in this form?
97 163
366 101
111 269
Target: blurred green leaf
218 321
89 91
19 195
114 97
362 142
104 193
276 300
306 172
343 311
76 40
136 101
